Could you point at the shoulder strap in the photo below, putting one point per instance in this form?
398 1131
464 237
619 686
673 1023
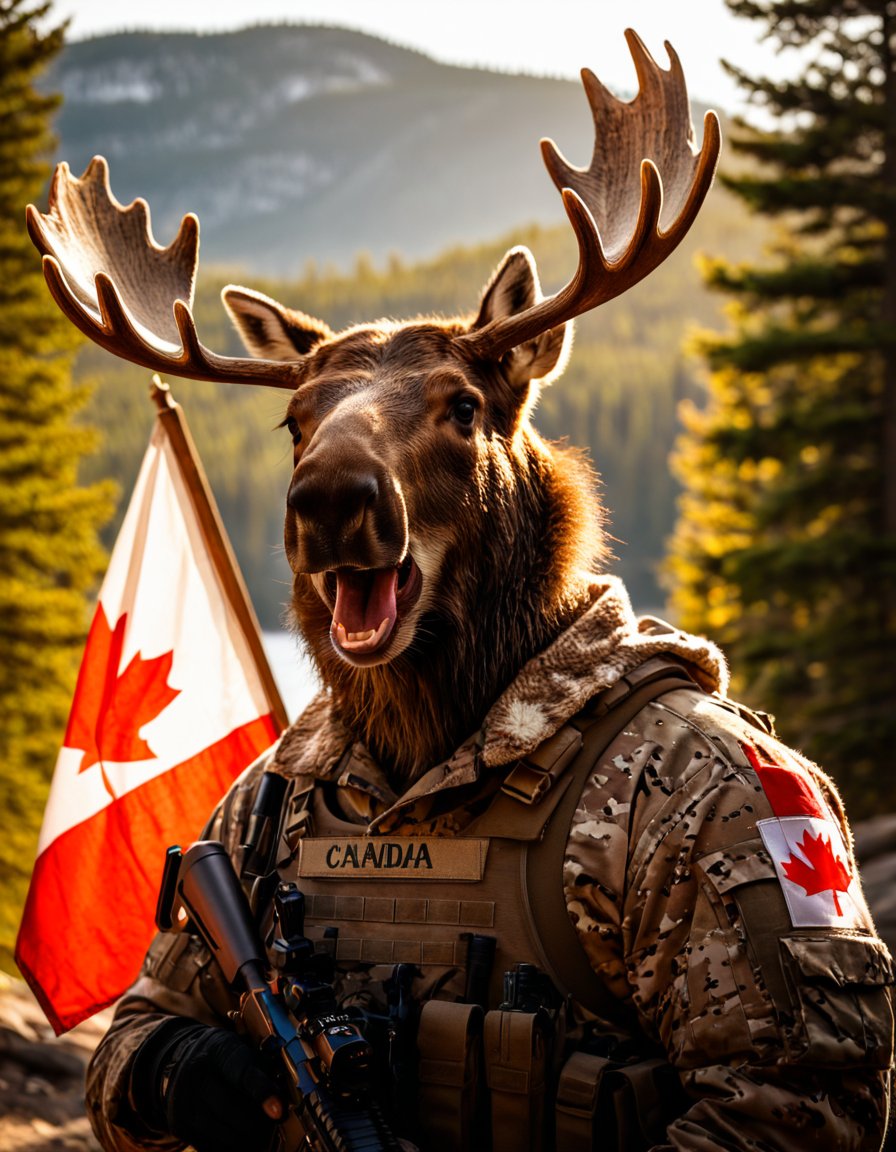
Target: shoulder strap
600 723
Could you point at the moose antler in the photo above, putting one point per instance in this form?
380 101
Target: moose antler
124 291
634 204
134 298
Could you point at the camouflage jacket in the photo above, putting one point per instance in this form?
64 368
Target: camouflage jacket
709 874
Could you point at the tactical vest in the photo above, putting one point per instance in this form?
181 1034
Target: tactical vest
422 900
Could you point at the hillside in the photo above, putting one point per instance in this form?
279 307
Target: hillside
296 143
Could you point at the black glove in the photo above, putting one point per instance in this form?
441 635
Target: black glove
205 1086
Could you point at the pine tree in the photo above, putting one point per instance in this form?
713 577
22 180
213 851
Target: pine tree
785 548
50 556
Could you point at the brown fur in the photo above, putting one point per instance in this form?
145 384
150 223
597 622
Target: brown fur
517 519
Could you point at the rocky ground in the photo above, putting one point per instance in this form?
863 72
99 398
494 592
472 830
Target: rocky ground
41 1077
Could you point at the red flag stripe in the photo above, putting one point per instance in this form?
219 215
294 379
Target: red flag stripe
113 863
790 791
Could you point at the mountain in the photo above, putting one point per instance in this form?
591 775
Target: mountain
299 143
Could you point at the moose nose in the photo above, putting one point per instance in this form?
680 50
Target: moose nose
333 505
345 510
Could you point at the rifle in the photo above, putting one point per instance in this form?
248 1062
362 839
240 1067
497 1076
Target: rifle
325 1063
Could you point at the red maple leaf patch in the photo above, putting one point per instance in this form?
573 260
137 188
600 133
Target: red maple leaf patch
110 708
824 872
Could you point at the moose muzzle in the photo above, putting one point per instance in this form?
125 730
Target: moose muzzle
347 521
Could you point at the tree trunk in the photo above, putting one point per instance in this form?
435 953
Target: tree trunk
888 302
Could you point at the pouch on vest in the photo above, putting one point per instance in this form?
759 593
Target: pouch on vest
449 1043
517 1049
603 1103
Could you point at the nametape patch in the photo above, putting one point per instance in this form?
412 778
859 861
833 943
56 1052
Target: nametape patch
392 857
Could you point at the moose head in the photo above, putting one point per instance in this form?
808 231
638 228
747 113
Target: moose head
437 541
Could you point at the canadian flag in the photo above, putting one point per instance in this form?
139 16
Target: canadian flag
819 881
172 703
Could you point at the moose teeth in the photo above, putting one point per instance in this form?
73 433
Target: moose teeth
369 639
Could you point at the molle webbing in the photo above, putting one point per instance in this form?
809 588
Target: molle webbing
416 899
419 911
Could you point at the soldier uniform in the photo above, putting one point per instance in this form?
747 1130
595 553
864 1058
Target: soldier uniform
708 877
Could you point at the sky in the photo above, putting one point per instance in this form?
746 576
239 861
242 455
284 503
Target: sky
545 37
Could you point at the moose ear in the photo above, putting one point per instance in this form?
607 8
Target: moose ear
513 288
268 329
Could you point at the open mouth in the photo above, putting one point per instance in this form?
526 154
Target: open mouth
369 603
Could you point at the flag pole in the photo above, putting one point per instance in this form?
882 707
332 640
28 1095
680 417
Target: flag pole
172 419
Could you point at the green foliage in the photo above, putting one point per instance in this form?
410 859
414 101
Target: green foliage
785 547
49 553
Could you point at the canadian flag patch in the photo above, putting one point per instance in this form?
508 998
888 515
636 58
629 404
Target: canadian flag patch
818 879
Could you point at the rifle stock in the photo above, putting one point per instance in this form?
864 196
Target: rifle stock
323 1058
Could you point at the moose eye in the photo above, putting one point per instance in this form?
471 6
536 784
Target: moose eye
464 411
294 430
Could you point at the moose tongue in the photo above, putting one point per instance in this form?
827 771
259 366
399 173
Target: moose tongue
365 609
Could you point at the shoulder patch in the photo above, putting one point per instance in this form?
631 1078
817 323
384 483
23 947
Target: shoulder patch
818 878
789 790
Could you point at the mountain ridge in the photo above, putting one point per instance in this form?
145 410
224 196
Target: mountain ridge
296 143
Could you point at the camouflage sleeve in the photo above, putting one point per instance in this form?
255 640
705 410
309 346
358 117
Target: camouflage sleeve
777 1016
178 978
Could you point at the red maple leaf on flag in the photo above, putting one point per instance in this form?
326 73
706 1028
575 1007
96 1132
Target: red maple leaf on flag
110 707
824 872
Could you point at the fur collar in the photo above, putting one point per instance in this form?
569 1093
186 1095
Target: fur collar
605 643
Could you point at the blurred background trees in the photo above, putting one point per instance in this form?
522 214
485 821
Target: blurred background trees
786 542
50 557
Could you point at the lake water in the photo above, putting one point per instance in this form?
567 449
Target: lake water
292 670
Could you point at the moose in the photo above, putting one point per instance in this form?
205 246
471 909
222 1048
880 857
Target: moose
485 688
409 437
